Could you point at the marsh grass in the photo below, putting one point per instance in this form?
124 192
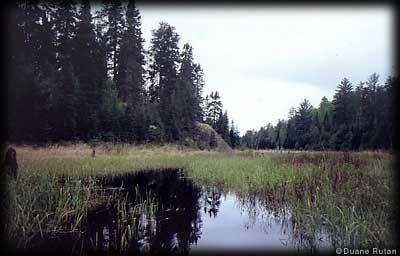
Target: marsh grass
128 214
348 194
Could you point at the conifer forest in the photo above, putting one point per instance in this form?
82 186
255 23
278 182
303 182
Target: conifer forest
117 141
83 75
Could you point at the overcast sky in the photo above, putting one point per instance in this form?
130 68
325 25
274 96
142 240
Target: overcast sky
265 59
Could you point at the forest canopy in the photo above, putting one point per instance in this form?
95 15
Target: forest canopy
78 74
358 118
75 74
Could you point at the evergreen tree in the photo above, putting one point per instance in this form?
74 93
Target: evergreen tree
29 59
59 61
280 131
164 53
222 126
67 107
112 112
67 90
370 111
187 93
130 80
391 88
303 124
325 133
343 109
249 139
325 109
290 140
199 85
265 137
112 17
343 115
89 77
234 136
205 108
45 56
214 109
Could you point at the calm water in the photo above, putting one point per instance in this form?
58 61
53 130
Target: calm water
191 219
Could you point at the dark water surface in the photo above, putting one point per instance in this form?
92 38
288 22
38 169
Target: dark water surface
190 219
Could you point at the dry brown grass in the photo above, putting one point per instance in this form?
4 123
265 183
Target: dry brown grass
78 150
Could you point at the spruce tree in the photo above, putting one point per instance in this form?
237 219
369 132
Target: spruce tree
222 125
303 124
199 85
187 93
343 115
67 90
343 109
90 79
290 140
164 54
234 136
214 109
391 94
112 18
130 80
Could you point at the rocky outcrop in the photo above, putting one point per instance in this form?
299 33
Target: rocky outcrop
207 137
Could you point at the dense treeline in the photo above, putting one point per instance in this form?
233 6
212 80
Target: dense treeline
356 119
76 74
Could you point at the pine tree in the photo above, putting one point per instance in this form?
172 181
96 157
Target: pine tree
130 80
222 125
31 56
391 94
187 93
343 115
205 108
15 59
303 124
46 74
214 109
68 88
234 136
325 132
67 107
359 121
164 54
112 18
343 109
199 85
280 131
111 112
90 78
249 139
372 110
290 140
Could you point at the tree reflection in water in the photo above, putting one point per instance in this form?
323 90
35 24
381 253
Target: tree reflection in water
230 220
261 210
176 223
211 200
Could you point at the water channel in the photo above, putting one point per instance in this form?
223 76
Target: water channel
187 218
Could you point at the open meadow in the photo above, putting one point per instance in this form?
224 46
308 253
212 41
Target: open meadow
348 194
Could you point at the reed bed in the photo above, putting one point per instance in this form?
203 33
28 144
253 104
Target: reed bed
348 194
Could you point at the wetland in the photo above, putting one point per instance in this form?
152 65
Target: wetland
182 201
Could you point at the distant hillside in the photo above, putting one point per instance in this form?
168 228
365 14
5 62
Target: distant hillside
203 137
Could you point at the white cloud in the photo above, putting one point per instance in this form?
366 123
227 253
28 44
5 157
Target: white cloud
264 60
258 102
